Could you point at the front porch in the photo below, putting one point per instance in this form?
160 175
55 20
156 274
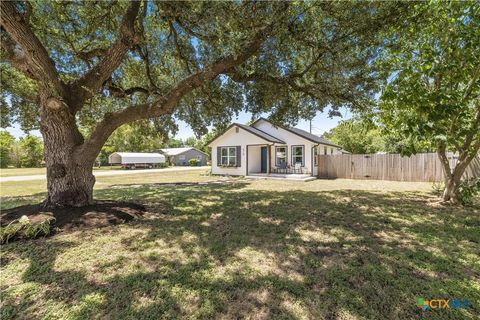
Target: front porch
279 176
261 162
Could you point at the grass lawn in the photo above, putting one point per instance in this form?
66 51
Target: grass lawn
327 249
11 172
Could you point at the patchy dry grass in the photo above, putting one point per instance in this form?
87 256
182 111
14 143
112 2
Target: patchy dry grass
263 249
37 188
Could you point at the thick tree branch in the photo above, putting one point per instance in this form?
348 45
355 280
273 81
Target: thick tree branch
442 155
33 58
15 55
167 103
93 80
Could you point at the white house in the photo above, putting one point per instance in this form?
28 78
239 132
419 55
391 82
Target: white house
263 148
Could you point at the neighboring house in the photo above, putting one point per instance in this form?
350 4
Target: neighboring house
264 148
181 156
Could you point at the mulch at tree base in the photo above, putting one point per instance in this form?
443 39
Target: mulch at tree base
100 214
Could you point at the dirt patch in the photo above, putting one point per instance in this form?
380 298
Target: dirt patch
100 214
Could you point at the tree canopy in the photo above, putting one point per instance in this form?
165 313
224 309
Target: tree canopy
311 55
99 65
433 94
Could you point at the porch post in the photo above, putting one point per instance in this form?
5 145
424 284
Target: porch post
268 158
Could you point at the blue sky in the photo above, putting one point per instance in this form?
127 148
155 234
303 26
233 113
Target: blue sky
320 124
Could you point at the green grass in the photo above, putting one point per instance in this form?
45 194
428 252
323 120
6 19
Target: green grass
11 172
327 249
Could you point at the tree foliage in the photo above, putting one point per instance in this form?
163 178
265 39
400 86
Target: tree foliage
356 137
25 152
31 151
433 95
314 55
6 147
104 64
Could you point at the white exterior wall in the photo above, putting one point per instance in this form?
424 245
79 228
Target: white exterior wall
232 138
243 138
291 139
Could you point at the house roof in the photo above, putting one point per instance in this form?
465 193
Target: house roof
302 133
268 137
252 130
177 151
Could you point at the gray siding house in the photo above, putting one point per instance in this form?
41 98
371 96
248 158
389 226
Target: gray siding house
181 156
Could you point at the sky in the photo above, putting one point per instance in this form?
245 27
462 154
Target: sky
320 124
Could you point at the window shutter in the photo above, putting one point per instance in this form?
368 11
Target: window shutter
219 156
239 156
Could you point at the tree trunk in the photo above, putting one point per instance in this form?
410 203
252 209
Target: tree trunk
69 174
451 187
453 176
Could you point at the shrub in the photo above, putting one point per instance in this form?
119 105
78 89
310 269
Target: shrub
194 162
437 188
468 190
23 228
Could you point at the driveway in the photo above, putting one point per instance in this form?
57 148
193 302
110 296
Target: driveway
107 173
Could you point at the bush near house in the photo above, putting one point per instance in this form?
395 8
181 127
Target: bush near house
194 162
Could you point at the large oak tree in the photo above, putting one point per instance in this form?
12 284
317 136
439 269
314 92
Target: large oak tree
103 64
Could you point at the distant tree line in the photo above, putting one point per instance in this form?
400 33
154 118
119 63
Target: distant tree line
361 136
25 152
144 137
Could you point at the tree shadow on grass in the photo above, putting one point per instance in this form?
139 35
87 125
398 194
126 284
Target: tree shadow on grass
228 251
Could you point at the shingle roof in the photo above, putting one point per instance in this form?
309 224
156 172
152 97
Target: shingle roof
312 137
304 134
268 137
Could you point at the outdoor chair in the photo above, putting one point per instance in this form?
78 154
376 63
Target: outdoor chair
297 168
282 168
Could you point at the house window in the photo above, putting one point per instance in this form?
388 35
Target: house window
229 156
181 157
280 155
325 150
297 154
331 150
315 154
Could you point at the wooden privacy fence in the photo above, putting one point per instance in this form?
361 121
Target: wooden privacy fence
420 167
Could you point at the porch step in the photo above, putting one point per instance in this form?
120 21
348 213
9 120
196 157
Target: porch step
290 177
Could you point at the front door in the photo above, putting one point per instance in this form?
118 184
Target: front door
263 168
